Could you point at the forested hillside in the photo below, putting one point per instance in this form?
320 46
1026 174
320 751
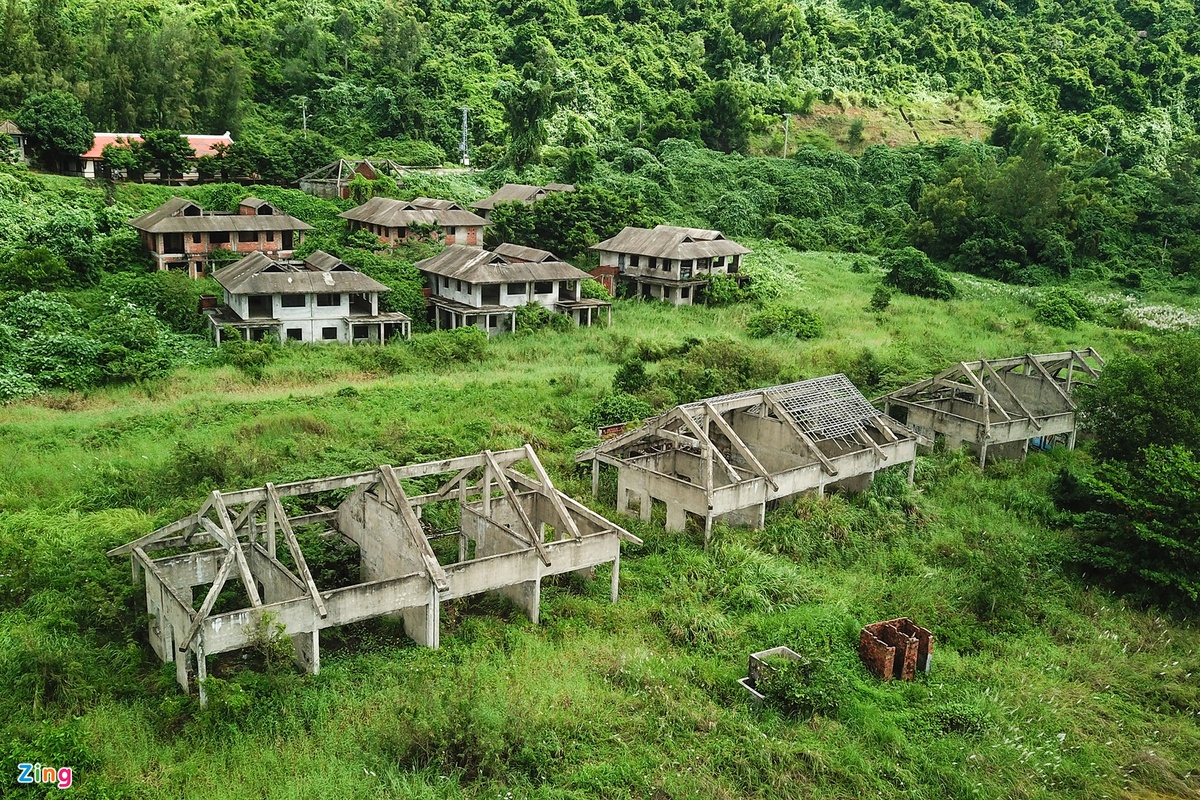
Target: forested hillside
1061 589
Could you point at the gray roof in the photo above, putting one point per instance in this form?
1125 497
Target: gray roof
516 252
520 193
403 213
170 218
668 241
10 127
320 273
255 202
473 265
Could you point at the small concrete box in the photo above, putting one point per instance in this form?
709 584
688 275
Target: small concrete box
757 667
896 648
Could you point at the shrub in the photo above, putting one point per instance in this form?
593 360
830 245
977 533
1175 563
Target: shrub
881 298
803 688
250 358
631 377
911 271
593 290
1055 310
461 345
618 407
785 319
535 317
722 290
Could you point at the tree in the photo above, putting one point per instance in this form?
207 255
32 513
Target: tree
725 112
123 156
1144 399
56 126
167 152
26 270
911 271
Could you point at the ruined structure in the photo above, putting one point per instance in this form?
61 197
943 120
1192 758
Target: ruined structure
896 648
518 193
513 530
726 458
315 299
395 221
90 164
181 235
997 406
333 180
472 286
667 262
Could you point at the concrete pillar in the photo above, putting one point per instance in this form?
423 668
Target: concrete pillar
201 671
983 448
1071 440
616 577
307 648
422 624
647 505
527 596
708 524
676 517
595 477
912 470
181 669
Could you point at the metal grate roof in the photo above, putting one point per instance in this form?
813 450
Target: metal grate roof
824 408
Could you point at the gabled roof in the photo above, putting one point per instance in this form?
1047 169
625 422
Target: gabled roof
180 215
255 203
668 241
10 127
403 213
320 273
516 252
520 193
473 265
203 144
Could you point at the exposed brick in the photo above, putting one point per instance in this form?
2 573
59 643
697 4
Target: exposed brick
896 648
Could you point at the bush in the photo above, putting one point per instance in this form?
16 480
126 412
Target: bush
593 290
535 317
722 290
881 298
618 408
631 377
461 345
803 688
911 271
1056 311
250 358
785 319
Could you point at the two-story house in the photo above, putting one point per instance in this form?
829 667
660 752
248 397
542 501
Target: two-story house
317 299
182 235
394 221
471 286
518 193
669 263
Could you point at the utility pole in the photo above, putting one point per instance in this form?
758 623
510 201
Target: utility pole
787 129
304 114
462 145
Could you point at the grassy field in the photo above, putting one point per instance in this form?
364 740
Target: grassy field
1042 684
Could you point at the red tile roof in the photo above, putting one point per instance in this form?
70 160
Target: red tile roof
201 143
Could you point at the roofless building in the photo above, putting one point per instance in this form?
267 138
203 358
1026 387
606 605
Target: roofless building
997 406
514 528
728 458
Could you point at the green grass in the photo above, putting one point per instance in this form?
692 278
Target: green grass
1042 685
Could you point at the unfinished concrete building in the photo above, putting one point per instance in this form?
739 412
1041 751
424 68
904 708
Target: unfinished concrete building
997 407
513 530
728 458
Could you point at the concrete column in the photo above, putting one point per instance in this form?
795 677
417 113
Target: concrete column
912 469
676 517
708 524
527 596
181 670
201 671
983 448
307 647
595 477
423 622
1071 440
647 504
616 577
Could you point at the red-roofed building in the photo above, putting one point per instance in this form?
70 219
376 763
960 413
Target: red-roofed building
88 164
